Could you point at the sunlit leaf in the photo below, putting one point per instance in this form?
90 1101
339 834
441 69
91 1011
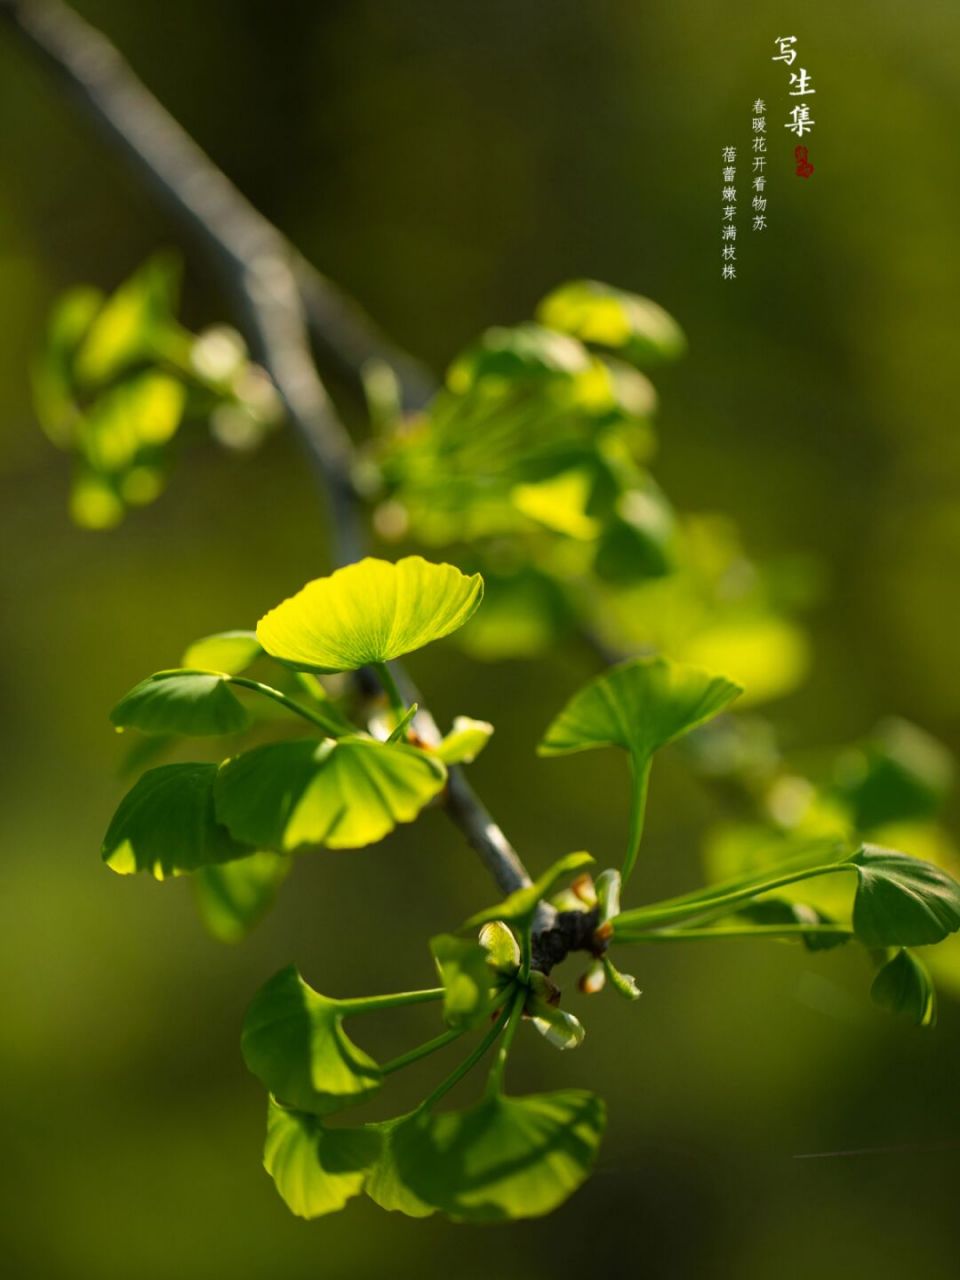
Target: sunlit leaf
502 948
464 742
233 896
467 978
903 985
369 612
503 1158
132 322
522 352
188 702
228 651
343 794
640 705
598 313
520 906
902 901
166 824
294 1043
316 1170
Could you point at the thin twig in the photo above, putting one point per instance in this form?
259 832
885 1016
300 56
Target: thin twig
276 291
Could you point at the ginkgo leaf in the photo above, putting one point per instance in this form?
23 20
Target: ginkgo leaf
227 651
190 702
598 313
520 906
467 978
343 793
903 985
639 705
294 1042
316 1170
166 824
233 896
384 1185
902 901
503 1158
464 742
369 612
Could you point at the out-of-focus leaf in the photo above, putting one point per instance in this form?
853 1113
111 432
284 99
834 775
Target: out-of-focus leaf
228 651
899 774
132 323
369 612
234 896
598 313
343 794
294 1043
903 985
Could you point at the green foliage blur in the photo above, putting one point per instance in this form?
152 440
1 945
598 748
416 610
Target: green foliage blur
450 163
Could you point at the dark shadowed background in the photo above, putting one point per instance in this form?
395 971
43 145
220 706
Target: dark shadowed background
448 162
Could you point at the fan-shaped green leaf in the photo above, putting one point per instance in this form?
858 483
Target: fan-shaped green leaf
593 312
465 741
369 612
315 1169
227 651
523 352
294 1042
503 1158
234 896
639 705
190 702
166 824
520 906
467 978
343 794
384 1185
902 901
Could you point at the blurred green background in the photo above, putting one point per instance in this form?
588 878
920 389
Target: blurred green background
448 163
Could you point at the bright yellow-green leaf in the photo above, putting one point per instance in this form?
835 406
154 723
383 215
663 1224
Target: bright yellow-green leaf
189 702
233 896
132 323
369 612
640 329
465 741
166 824
560 503
343 794
227 651
316 1170
294 1042
53 390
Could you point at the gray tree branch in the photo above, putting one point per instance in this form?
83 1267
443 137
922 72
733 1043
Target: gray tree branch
277 292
